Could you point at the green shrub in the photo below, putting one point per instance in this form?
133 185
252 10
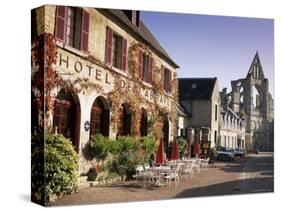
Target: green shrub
148 145
182 144
100 147
125 152
60 165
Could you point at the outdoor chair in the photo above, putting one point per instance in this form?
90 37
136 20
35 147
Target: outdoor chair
197 165
173 174
139 172
146 166
204 163
187 170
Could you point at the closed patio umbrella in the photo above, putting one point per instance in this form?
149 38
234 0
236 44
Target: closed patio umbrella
175 151
196 145
160 153
188 149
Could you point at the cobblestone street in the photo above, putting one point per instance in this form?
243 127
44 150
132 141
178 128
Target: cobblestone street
251 175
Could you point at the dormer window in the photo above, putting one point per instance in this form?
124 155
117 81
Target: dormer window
134 16
194 85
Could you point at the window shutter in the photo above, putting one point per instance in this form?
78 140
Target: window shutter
163 76
108 49
33 25
124 54
151 62
60 23
170 81
140 64
85 31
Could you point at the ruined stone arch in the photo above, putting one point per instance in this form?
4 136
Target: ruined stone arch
241 93
257 96
253 125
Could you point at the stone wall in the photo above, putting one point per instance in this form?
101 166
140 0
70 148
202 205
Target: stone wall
258 115
72 65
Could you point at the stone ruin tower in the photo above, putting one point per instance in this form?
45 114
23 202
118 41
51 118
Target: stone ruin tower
251 99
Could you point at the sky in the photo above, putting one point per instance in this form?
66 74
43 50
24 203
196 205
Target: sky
214 46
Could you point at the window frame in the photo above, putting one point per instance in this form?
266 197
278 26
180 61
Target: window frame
167 80
145 68
75 33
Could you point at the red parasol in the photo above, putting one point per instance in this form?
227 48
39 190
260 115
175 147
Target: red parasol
175 151
188 149
196 145
160 153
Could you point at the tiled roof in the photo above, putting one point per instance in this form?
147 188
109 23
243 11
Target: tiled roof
142 31
182 111
196 88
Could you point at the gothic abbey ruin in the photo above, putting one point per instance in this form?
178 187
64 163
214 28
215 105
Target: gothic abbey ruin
251 99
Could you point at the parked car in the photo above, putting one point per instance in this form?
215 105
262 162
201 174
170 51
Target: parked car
256 151
225 154
239 153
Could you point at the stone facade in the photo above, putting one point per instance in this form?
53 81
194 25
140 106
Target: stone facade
203 107
232 129
251 99
96 79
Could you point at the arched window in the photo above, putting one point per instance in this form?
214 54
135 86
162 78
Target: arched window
100 117
66 117
143 123
255 97
125 117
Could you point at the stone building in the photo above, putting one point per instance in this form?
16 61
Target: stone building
118 79
200 100
182 122
232 128
251 99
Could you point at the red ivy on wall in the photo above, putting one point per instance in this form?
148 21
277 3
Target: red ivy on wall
45 78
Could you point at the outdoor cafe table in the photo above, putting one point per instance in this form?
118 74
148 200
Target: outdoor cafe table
159 172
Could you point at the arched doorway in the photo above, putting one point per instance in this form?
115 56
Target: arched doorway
100 117
125 120
67 116
143 123
34 114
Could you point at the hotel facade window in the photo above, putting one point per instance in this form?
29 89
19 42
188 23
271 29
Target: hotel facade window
94 47
143 123
33 25
99 118
146 67
66 115
125 119
116 49
72 27
167 80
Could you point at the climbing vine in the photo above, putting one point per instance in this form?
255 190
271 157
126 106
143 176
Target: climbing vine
119 95
84 84
45 78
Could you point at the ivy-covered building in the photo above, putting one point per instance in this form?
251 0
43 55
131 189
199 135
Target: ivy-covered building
103 72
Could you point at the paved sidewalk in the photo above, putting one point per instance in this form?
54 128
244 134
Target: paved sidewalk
224 179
